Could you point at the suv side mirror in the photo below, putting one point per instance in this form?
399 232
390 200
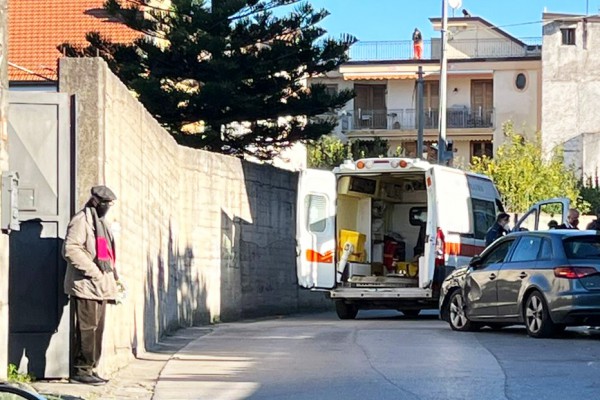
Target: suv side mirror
475 261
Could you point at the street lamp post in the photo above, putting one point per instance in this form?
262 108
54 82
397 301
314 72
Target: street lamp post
442 156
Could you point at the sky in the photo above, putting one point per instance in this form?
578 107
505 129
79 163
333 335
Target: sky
381 20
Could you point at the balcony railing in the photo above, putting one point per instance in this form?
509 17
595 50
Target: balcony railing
457 49
406 119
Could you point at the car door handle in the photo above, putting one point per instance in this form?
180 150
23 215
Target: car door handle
523 275
492 276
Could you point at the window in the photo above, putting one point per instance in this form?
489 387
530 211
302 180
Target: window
480 149
528 224
417 216
568 36
521 81
482 103
409 149
484 216
546 253
331 89
527 249
431 95
370 110
498 253
550 215
315 207
582 247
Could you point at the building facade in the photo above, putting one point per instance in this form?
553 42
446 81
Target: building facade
493 77
571 87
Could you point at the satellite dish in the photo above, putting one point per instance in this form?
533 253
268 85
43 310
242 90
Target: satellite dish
455 3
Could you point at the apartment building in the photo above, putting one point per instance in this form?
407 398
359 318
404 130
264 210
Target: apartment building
493 77
571 88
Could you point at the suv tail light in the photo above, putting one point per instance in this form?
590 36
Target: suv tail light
574 272
440 248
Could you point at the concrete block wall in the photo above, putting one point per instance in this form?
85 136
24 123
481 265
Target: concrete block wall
200 237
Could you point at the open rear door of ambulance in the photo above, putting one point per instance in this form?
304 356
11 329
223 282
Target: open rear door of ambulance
315 229
448 203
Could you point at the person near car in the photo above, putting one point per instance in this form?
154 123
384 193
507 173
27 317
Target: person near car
91 281
572 220
498 229
595 224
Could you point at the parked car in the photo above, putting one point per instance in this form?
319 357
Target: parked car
13 392
547 280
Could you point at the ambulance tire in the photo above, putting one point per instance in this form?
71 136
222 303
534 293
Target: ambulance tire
345 310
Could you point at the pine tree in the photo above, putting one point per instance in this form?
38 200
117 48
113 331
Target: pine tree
229 76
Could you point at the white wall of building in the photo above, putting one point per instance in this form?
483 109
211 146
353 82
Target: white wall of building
519 106
571 89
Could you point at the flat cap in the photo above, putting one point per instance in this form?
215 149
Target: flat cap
103 193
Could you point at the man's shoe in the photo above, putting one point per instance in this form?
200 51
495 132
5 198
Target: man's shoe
87 380
95 375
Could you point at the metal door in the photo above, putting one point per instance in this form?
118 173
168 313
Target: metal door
39 130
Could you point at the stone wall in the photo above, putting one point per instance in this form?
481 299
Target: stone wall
201 237
3 167
571 88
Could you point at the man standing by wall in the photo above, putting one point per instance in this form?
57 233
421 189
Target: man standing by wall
90 281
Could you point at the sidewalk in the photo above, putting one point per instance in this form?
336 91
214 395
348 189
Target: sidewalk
135 381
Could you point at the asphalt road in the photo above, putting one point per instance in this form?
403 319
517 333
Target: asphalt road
381 355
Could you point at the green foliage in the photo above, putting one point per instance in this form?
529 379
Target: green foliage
327 153
370 148
523 176
15 376
591 195
223 75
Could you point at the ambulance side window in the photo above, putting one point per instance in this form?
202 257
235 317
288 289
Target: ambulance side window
484 216
315 207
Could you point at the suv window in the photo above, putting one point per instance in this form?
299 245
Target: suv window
527 249
582 246
498 253
546 252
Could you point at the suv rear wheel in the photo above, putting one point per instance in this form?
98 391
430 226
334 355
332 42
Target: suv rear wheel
537 318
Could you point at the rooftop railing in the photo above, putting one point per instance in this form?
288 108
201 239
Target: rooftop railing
457 49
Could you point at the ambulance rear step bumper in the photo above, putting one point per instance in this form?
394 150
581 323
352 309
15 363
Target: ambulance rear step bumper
380 293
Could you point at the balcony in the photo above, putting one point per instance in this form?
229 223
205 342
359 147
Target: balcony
406 119
457 49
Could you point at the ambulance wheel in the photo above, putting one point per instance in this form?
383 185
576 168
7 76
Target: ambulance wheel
344 310
411 313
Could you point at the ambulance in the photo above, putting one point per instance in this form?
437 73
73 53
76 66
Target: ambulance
385 232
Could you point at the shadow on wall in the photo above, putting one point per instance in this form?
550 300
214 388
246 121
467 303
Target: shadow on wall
36 294
174 295
259 257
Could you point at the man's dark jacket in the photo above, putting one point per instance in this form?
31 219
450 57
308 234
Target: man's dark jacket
495 232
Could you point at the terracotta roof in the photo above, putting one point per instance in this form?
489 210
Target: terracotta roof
36 27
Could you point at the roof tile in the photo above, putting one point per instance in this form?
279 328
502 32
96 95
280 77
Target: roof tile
37 27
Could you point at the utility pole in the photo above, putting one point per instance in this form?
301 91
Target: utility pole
442 156
420 112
